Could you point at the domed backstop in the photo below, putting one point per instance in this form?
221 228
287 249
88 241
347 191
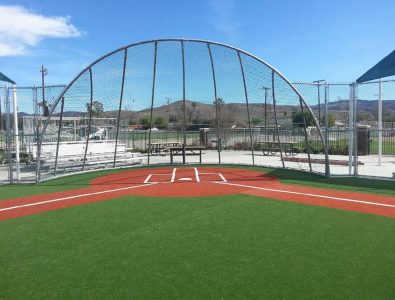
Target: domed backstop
174 101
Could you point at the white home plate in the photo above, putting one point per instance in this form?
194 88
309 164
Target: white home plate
185 179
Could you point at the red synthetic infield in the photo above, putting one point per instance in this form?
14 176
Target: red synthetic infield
194 182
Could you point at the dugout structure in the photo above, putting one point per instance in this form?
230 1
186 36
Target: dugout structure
195 93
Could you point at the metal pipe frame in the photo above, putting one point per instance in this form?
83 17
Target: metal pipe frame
216 103
90 119
8 134
120 104
305 134
184 104
326 146
36 129
156 41
275 120
351 131
58 142
152 100
248 108
355 87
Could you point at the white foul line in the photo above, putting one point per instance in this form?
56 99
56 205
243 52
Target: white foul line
173 175
76 196
197 175
307 194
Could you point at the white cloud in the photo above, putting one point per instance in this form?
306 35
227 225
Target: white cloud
223 18
21 29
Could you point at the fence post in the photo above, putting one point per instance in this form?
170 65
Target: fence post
216 104
120 106
326 146
8 136
355 142
152 100
380 120
275 119
351 130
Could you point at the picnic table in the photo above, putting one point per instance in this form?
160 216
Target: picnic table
273 147
187 150
161 148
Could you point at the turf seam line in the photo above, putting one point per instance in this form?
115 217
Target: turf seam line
76 196
307 194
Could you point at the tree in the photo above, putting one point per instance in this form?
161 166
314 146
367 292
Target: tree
97 108
256 121
158 122
363 116
145 121
298 119
331 120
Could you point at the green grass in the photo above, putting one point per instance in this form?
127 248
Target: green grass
388 147
202 248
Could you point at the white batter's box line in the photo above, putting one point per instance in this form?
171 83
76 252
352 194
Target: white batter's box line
223 179
147 180
172 178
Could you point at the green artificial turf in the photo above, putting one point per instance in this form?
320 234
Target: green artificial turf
236 246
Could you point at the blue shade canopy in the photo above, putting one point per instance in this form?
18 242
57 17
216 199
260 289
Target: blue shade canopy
5 78
384 68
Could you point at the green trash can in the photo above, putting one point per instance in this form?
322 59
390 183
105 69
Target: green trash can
363 139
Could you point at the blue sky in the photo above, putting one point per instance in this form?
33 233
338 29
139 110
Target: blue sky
304 40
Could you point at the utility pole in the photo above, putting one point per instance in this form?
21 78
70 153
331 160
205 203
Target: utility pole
43 72
318 82
168 99
266 89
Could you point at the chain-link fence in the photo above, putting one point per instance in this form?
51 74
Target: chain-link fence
358 124
21 118
190 101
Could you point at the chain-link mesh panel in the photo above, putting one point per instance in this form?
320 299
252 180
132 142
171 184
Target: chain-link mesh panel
260 103
137 96
231 107
103 114
200 105
339 136
63 144
375 134
19 132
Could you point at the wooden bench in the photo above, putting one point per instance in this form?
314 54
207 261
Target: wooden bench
161 148
334 162
187 151
272 147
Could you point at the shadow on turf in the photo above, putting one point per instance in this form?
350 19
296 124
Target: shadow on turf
351 182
